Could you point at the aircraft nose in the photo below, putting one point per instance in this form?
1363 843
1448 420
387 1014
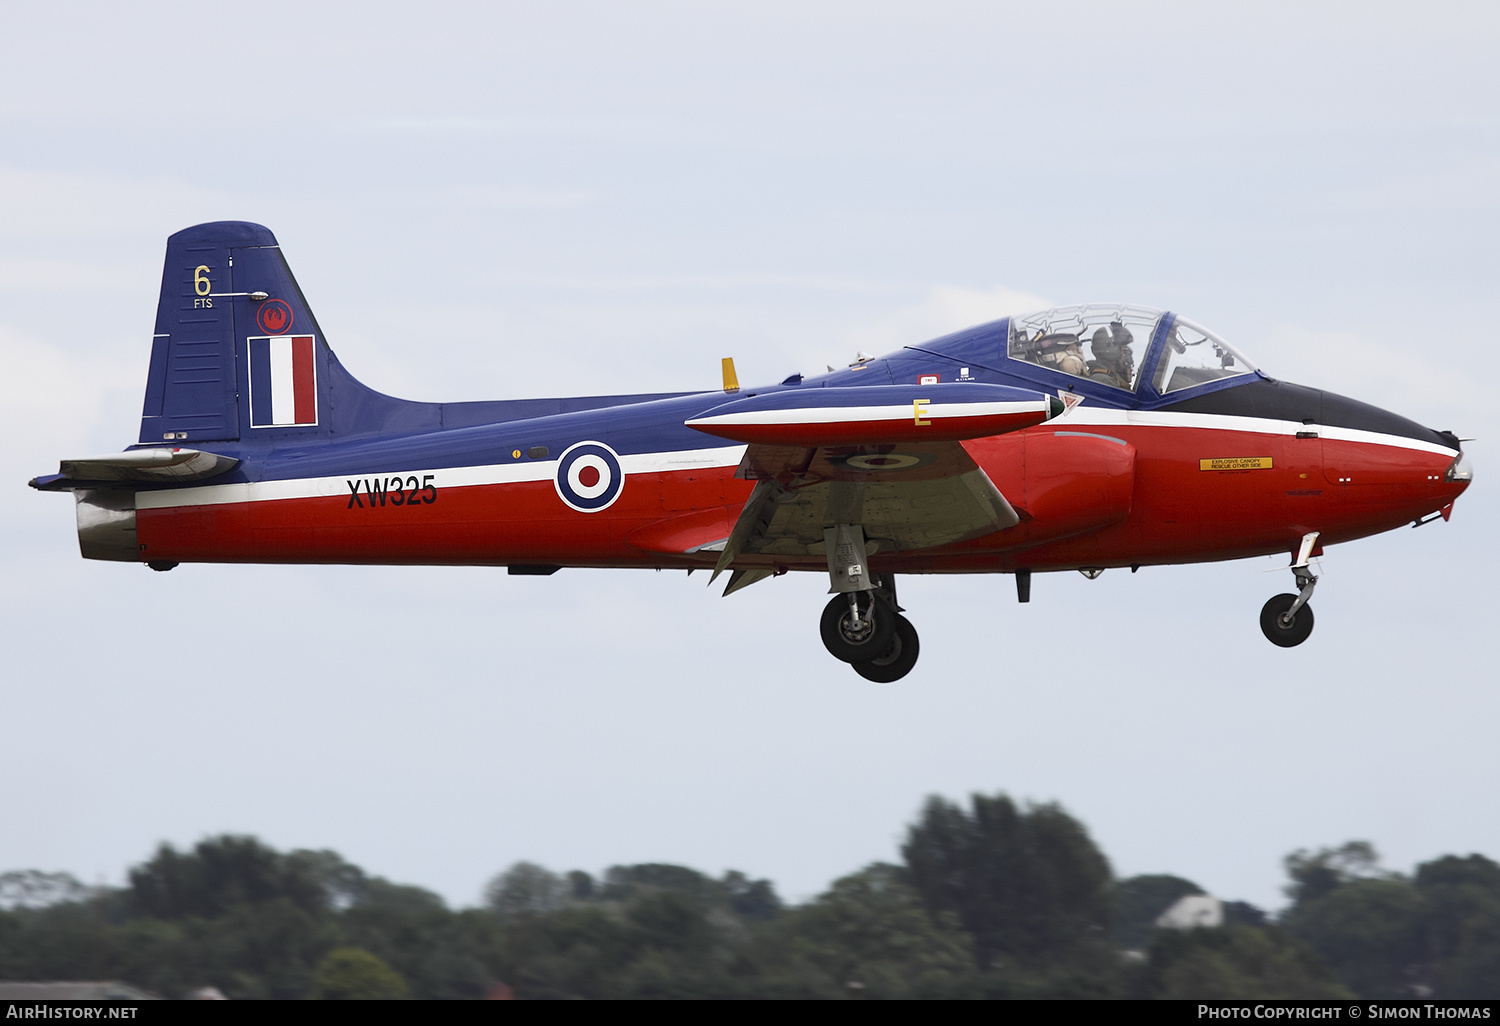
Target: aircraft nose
1380 459
1460 471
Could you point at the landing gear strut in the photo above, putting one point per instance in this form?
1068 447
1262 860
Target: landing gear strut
1287 620
862 625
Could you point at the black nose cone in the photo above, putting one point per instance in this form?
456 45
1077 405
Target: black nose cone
1281 400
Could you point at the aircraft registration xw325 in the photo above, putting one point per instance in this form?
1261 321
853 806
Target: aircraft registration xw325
1079 438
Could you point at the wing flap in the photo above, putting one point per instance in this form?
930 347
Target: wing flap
906 498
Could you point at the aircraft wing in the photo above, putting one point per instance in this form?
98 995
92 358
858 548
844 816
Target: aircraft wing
888 458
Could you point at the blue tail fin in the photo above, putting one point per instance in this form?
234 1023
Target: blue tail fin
238 355
192 389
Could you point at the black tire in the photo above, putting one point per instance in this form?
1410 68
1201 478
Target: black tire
1284 634
896 663
877 620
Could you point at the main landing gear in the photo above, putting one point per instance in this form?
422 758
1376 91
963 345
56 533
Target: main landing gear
862 625
1287 620
865 630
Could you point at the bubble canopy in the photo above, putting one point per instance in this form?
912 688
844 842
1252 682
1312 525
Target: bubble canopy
1114 345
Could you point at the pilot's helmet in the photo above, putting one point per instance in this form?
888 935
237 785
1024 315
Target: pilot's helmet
1050 348
1106 346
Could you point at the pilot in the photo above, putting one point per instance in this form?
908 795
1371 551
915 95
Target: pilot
1070 360
1113 362
1060 351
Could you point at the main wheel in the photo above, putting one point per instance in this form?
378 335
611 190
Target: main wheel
1274 626
896 663
877 625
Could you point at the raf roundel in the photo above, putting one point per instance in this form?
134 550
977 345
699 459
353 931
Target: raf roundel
589 477
887 461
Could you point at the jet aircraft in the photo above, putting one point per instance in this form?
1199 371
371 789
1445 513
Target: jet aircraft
1078 438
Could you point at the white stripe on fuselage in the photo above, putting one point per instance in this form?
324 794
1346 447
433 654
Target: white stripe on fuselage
866 414
1100 416
730 455
447 477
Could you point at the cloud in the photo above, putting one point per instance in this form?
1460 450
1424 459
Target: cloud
1426 383
36 205
705 282
942 309
518 125
32 275
508 199
37 374
54 405
1466 187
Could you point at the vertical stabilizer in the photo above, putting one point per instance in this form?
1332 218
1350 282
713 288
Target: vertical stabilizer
238 355
192 389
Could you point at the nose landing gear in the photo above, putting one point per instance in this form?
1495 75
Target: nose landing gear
1287 620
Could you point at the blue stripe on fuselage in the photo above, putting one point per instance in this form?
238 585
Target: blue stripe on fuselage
652 424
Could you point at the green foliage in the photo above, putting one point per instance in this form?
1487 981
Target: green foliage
1437 934
580 886
222 873
1236 962
526 889
652 930
1028 884
871 933
30 888
1314 874
1140 899
993 900
752 899
415 933
1461 898
1369 932
624 882
353 974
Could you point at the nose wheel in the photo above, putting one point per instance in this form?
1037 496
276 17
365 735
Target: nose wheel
1287 620
1284 626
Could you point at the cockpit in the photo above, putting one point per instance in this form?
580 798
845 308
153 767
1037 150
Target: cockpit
1117 346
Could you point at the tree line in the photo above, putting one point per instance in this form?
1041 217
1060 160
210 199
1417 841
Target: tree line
992 899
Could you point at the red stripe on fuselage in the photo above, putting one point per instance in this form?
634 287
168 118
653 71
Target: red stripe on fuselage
498 524
1085 501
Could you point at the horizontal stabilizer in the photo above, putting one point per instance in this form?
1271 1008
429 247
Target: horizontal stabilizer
161 465
875 414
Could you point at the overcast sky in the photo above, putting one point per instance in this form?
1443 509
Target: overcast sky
508 200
